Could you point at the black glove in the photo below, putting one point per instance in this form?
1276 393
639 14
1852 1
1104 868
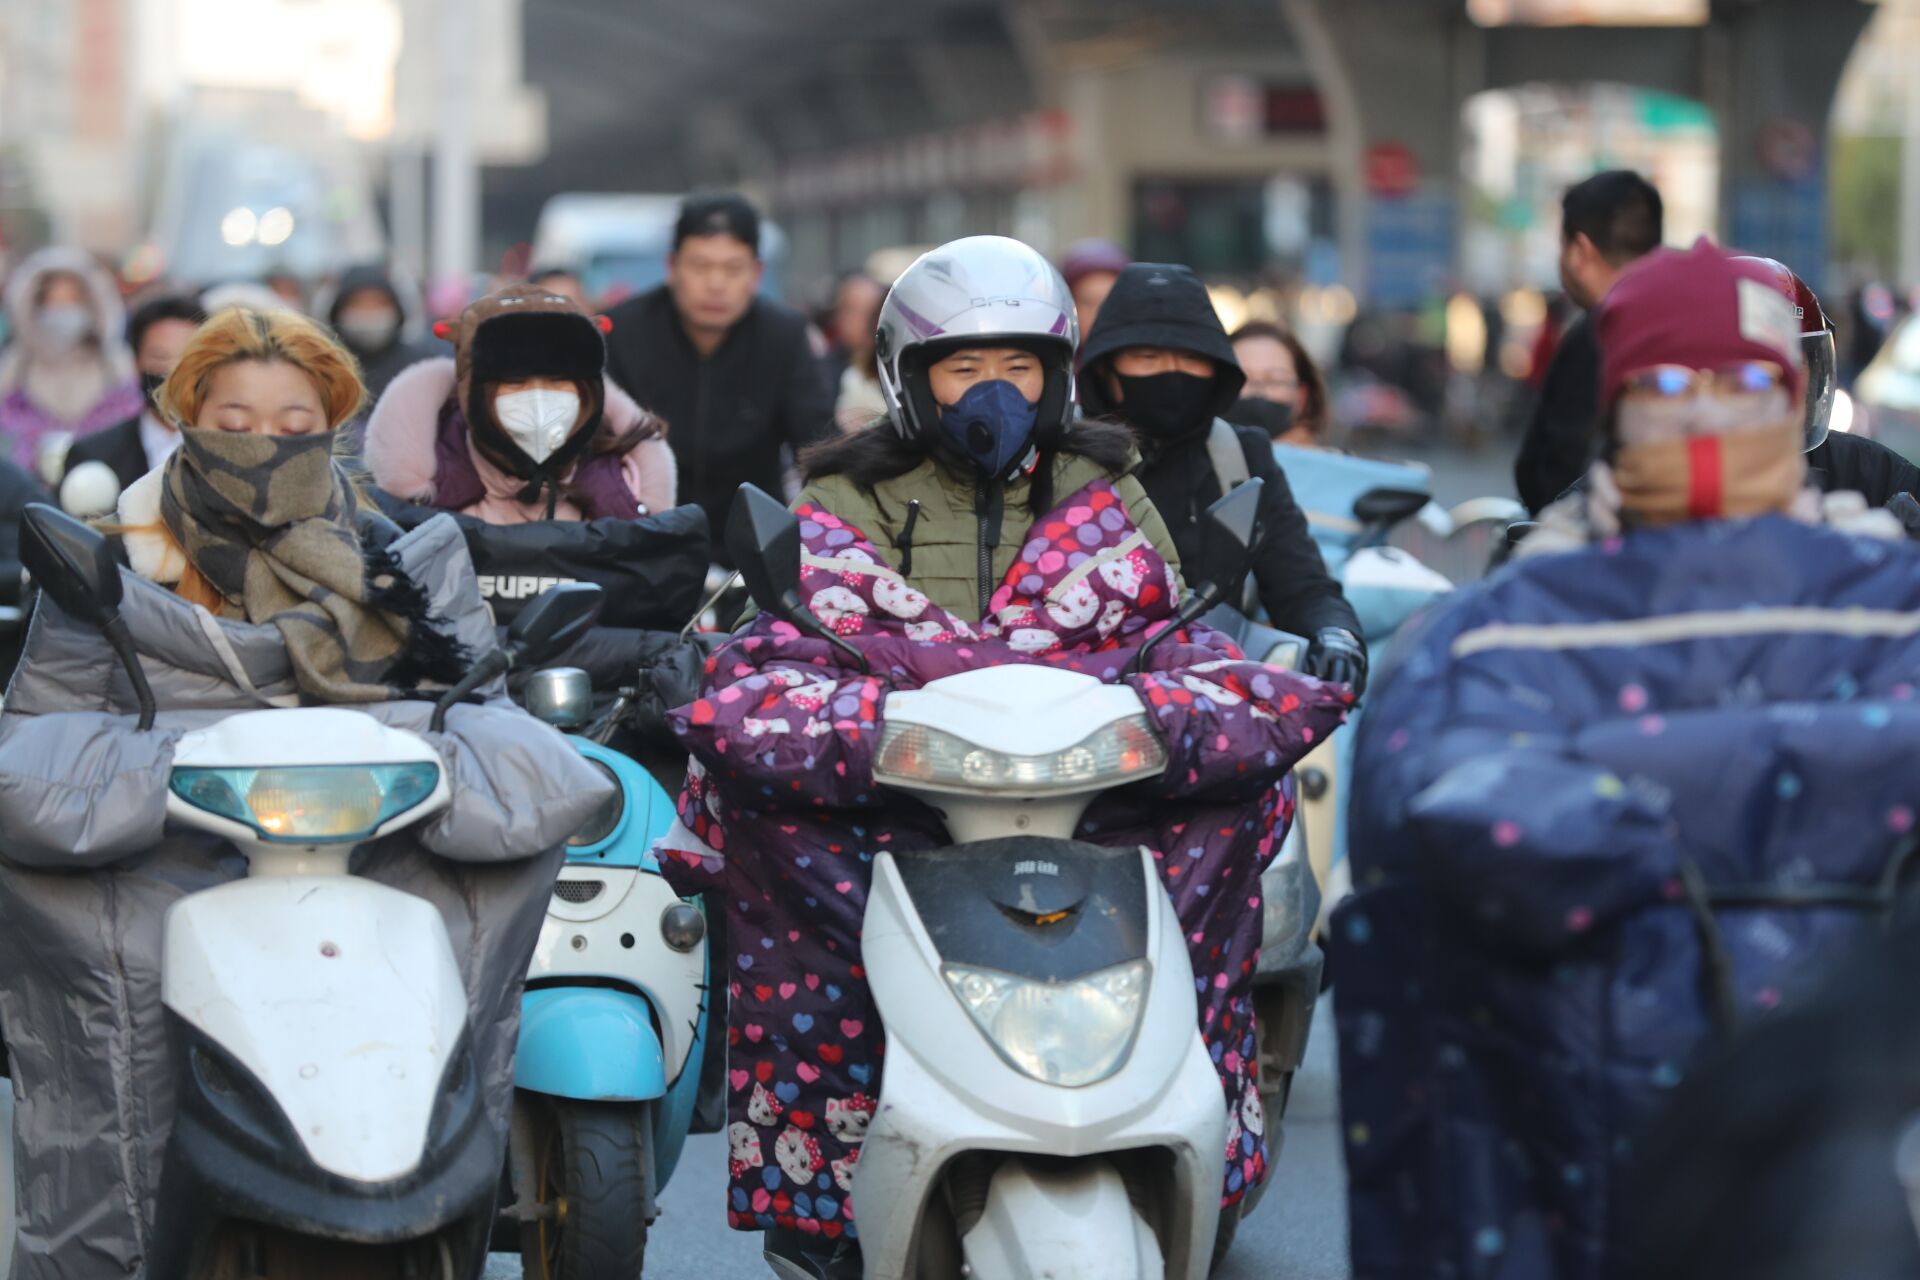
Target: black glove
1336 655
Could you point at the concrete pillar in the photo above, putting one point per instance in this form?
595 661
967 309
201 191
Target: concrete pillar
1780 66
1394 73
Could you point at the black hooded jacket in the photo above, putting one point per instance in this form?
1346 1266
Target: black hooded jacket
1154 305
379 367
727 414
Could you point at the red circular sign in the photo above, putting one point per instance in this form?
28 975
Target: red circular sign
1392 169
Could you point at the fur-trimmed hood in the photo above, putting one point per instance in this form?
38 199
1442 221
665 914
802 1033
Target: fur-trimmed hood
405 424
109 314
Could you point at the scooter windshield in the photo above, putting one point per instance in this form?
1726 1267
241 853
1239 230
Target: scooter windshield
1040 908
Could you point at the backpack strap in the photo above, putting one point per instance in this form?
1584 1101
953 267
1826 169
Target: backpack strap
1229 460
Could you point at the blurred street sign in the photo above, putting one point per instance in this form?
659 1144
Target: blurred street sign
1393 171
1017 153
1409 248
1232 109
1785 220
1788 148
1244 108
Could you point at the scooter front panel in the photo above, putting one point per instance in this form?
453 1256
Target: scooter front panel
340 995
604 924
923 1124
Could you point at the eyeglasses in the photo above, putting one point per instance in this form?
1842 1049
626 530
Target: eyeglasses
1679 382
1673 396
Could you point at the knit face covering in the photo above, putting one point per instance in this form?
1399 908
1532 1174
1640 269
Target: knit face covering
268 521
1712 476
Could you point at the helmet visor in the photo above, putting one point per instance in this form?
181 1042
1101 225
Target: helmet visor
1818 350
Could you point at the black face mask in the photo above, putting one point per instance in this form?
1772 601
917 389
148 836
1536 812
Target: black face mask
150 384
1166 406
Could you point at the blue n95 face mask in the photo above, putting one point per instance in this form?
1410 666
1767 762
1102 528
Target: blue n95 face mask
992 424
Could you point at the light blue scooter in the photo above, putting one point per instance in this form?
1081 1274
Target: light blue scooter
613 1026
1352 505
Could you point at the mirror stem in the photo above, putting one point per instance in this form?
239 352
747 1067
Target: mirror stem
121 639
495 663
1205 596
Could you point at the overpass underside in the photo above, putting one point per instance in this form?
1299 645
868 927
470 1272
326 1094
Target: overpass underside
1208 123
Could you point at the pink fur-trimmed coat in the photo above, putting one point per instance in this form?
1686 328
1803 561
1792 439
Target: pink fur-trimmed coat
401 435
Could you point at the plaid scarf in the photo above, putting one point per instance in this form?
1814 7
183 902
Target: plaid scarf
269 522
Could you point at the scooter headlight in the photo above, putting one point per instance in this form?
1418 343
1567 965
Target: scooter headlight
601 825
309 803
916 754
1065 1033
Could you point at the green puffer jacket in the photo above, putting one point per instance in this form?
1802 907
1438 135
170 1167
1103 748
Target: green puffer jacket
949 542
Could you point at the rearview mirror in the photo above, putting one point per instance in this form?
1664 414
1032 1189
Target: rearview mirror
1384 508
71 562
555 619
1230 532
763 537
546 628
74 565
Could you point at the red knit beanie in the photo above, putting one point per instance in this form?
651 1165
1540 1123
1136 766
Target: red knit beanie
1703 308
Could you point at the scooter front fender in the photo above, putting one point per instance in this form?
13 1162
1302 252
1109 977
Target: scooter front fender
590 1043
1075 1223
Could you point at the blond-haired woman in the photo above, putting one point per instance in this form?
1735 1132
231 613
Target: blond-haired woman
251 518
274 594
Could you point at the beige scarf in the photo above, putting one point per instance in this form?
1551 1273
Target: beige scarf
1704 477
269 522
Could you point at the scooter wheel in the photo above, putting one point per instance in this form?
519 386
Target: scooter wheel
592 1172
1223 1236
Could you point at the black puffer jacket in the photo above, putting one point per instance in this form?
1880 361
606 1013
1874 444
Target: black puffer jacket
1855 464
727 414
1154 305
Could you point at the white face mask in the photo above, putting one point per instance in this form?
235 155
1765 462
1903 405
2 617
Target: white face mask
64 325
539 421
370 332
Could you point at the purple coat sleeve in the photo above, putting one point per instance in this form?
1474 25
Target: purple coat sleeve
1232 725
776 713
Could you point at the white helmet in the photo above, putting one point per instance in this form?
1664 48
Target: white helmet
975 292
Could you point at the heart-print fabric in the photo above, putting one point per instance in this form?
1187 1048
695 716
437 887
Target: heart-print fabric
780 818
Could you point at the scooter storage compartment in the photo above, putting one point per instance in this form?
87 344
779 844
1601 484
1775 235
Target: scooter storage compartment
1039 907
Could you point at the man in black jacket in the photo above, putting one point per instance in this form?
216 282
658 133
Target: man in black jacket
1608 222
1159 360
158 331
731 372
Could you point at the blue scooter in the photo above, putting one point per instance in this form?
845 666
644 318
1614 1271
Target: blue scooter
613 1027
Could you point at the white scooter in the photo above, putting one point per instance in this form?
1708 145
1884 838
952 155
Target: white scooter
328 1117
1048 1108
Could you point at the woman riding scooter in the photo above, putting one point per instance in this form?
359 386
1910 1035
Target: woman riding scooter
282 594
982 526
522 424
521 427
524 355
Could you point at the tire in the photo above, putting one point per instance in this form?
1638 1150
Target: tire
1223 1237
593 1160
